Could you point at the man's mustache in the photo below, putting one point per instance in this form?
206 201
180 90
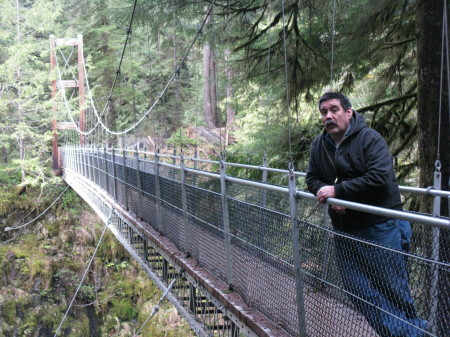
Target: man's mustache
330 122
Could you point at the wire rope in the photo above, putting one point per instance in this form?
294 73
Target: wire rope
38 200
85 272
155 102
7 229
269 55
444 51
156 307
332 42
286 80
117 133
438 154
133 91
445 24
197 106
129 30
177 82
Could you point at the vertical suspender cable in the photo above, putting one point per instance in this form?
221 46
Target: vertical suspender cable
444 51
332 43
133 94
286 81
124 48
445 35
177 78
441 79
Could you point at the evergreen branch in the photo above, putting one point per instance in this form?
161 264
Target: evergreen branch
405 142
388 102
397 43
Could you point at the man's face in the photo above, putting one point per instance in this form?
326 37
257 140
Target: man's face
334 118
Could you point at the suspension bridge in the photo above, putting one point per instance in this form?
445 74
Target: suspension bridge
257 259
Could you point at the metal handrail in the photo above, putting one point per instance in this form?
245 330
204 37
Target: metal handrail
424 219
431 191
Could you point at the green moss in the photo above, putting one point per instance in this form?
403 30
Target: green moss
3 250
122 309
52 227
30 324
80 327
10 311
5 329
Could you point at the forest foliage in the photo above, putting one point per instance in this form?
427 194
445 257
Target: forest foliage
250 71
281 56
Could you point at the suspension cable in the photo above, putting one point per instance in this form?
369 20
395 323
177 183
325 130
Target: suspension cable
129 30
86 271
332 42
286 80
7 229
156 307
197 103
445 24
441 79
154 103
444 51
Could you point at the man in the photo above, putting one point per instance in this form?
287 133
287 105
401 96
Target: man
350 161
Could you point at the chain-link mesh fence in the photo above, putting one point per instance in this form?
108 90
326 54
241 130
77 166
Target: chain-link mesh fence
352 284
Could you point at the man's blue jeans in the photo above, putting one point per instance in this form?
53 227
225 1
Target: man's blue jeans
376 277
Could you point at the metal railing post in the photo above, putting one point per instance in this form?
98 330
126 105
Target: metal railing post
174 162
82 161
139 184
194 178
99 180
77 159
91 163
93 169
145 251
435 248
114 173
158 193
92 158
105 163
264 180
184 204
125 179
297 255
226 223
88 163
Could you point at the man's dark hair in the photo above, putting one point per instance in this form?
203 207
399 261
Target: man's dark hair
345 102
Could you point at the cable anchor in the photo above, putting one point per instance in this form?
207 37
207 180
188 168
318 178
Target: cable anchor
438 165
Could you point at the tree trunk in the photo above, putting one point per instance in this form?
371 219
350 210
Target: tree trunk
209 83
429 68
209 87
4 155
434 131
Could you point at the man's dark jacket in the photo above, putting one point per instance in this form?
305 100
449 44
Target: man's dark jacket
361 170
